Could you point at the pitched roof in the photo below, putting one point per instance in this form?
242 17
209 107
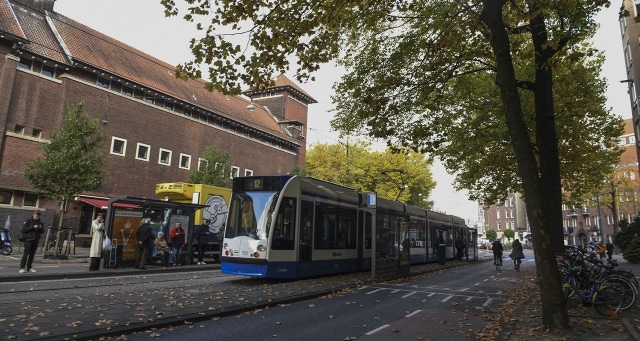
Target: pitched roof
64 40
283 82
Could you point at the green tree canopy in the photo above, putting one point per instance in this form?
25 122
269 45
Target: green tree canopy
491 235
509 233
214 168
409 65
72 160
403 175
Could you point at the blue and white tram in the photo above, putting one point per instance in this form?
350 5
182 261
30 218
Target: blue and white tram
293 227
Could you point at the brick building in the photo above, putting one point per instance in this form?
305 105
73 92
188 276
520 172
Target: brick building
580 224
157 125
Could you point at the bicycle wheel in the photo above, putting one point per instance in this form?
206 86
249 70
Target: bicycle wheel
629 276
568 285
627 289
6 250
608 300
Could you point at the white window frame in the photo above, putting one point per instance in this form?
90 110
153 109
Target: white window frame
202 163
25 197
12 195
248 172
115 139
160 159
142 145
188 159
235 172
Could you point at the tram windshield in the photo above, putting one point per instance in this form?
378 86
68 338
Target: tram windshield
249 214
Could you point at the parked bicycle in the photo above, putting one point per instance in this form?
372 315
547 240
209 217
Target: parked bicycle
607 298
584 266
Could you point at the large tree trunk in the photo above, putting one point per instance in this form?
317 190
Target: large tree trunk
543 203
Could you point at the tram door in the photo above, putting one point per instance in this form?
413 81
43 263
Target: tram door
306 233
364 240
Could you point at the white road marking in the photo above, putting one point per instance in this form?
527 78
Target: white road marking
377 330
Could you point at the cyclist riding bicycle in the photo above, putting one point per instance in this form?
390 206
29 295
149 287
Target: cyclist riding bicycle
517 254
497 252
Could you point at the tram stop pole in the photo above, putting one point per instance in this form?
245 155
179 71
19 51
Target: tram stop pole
371 204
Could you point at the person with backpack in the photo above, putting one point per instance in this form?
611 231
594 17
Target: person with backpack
30 234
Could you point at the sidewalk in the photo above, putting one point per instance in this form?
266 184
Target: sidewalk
76 265
90 316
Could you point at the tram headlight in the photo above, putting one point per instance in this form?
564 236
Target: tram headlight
262 248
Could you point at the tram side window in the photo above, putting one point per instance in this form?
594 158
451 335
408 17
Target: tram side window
284 234
335 227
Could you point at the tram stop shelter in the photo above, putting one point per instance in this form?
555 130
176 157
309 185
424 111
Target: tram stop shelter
124 216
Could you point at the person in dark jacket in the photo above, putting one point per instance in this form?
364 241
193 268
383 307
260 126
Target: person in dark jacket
460 244
32 229
202 234
178 241
609 250
145 239
517 254
497 252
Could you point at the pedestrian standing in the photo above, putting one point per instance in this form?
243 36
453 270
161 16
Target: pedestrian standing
202 235
460 244
145 239
178 241
609 250
497 252
97 229
32 230
517 253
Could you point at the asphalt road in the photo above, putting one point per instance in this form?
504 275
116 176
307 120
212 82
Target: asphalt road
437 306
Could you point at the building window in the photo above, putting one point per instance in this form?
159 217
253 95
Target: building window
202 164
48 71
19 129
621 141
6 197
118 146
103 83
164 157
127 91
185 161
248 172
168 105
37 133
142 152
149 99
187 112
235 172
25 64
632 139
30 199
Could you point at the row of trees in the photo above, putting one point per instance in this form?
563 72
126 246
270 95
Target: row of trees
507 93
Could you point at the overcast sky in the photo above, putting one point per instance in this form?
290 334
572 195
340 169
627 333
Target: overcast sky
142 24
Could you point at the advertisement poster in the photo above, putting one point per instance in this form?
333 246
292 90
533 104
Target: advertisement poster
125 226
